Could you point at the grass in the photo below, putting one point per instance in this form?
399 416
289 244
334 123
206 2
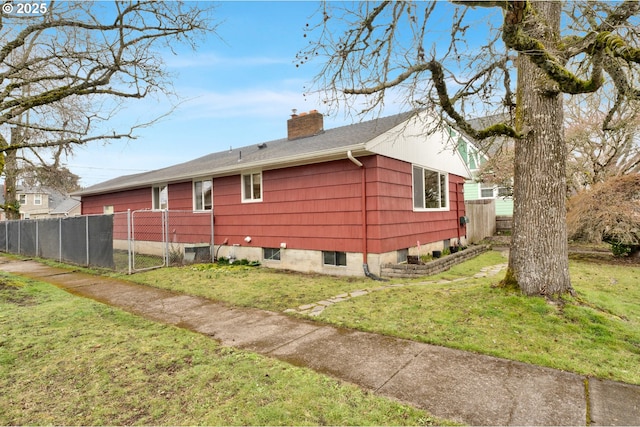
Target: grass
66 360
596 333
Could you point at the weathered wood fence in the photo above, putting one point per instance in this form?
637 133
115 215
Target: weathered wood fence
482 219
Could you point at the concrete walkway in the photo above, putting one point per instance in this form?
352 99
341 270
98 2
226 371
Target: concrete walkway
470 388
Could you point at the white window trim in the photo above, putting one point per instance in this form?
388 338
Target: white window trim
243 193
20 197
193 194
446 175
495 192
153 199
37 199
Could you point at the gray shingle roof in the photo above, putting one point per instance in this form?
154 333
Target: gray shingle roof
275 153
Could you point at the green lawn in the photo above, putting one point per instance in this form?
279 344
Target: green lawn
66 360
596 333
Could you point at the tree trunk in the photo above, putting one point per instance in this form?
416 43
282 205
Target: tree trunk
11 208
538 260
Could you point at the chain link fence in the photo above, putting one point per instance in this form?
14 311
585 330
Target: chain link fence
125 241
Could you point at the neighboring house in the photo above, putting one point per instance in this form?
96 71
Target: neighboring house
474 158
43 202
341 201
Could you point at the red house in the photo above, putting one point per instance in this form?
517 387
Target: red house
339 201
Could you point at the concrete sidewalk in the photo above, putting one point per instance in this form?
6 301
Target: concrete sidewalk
470 388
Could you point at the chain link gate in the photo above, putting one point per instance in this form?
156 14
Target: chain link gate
158 238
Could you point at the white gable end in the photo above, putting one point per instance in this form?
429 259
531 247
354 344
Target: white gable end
410 142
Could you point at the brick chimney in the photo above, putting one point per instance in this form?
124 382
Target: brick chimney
304 125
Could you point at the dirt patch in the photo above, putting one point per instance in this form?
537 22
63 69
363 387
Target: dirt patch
599 257
14 294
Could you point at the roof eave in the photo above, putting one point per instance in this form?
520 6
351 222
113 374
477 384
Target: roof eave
283 162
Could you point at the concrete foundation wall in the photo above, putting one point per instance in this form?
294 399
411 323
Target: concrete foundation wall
305 261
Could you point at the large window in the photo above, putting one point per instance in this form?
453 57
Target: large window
37 199
252 187
202 198
430 189
160 197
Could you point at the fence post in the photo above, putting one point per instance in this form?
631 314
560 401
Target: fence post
165 236
212 249
37 237
130 258
86 236
60 239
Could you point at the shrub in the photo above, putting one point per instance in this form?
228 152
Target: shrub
608 212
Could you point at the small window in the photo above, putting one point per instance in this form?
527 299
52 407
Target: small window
160 195
403 255
334 258
202 198
23 199
271 254
252 187
486 191
107 209
430 189
37 199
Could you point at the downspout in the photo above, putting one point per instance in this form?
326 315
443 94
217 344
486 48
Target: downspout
458 212
365 265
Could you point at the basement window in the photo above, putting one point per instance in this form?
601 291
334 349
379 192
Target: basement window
271 254
334 258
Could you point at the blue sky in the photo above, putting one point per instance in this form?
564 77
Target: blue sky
237 89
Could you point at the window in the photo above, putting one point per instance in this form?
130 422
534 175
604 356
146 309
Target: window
272 254
37 199
334 258
23 199
252 187
430 189
488 191
202 200
160 195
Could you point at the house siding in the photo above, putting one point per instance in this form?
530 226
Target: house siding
314 207
504 205
392 222
309 209
121 201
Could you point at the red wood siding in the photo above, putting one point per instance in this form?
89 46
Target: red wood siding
121 201
316 207
308 207
392 223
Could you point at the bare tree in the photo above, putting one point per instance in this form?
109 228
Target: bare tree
596 153
66 68
522 65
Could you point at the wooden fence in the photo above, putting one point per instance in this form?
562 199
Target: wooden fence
482 219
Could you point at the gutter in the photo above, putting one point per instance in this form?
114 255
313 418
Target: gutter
226 170
365 265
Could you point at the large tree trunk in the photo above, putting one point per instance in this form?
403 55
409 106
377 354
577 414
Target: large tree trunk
538 260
